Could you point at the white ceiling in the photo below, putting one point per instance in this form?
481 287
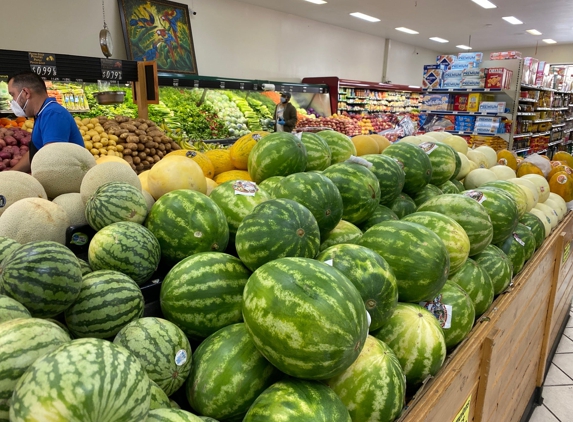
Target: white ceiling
454 20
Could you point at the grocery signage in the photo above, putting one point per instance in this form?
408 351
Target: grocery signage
43 64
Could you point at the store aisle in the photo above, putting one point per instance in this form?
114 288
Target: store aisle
558 388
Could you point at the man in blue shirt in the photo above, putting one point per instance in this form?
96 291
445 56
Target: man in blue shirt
53 123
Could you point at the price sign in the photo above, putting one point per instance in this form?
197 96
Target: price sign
43 64
175 82
111 70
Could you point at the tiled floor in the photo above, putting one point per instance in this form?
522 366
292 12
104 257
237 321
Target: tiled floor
558 388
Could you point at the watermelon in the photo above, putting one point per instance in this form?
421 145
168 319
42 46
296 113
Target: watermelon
449 187
513 190
162 349
498 266
12 309
204 293
306 300
277 154
276 229
108 301
96 380
469 214
237 199
452 234
22 341
527 236
86 269
344 232
416 337
501 208
416 254
114 202
373 388
533 223
268 185
370 274
7 246
207 419
458 184
125 247
159 399
453 179
172 415
455 311
317 193
514 248
228 374
43 276
417 165
390 176
403 205
295 400
381 213
318 155
341 146
427 192
443 159
477 283
359 189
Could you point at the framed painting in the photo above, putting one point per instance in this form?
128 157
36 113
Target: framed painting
159 30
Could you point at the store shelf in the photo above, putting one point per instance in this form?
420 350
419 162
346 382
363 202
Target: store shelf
527 100
568 130
561 108
550 144
544 109
463 90
536 135
537 88
540 152
462 113
559 125
525 113
568 119
519 151
543 121
471 132
522 135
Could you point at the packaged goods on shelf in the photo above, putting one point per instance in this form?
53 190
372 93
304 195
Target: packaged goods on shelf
495 142
464 123
474 73
446 60
436 102
451 83
432 78
529 74
453 74
461 102
463 65
542 77
470 57
473 83
505 55
498 77
492 107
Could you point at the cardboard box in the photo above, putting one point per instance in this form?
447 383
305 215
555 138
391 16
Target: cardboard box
432 78
436 102
464 123
487 124
498 77
462 65
474 100
453 74
470 57
446 60
529 74
505 55
474 73
451 83
542 73
461 102
472 83
492 107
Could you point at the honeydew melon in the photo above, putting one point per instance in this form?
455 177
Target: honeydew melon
478 177
478 157
457 142
503 172
541 184
465 168
549 212
490 155
545 220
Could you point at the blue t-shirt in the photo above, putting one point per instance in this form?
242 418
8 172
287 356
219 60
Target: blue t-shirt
55 124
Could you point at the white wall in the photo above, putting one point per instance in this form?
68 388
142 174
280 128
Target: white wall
406 63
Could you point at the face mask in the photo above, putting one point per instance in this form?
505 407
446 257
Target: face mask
283 100
18 111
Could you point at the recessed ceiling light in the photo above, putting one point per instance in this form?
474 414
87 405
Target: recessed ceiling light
512 20
316 1
406 30
549 41
485 4
533 32
438 39
464 47
365 17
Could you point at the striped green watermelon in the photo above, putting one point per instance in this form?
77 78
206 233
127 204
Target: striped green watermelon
12 309
277 154
317 193
373 388
187 222
498 266
207 419
458 184
457 171
306 300
159 399
228 374
234 204
403 205
513 190
416 254
501 208
295 400
533 223
7 246
527 236
162 349
344 232
469 214
276 229
269 185
114 202
359 189
203 293
477 283
370 274
443 159
108 301
172 415
381 213
452 234
455 311
317 152
96 381
514 248
417 339
449 187
341 146
390 176
428 192
417 165
125 247
86 269
22 341
43 276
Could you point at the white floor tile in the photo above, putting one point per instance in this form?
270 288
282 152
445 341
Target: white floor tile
541 414
569 332
556 376
565 345
558 401
565 363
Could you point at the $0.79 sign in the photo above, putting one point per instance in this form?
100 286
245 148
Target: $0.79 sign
111 70
43 64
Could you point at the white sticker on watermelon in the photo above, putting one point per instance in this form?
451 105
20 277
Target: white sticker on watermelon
518 239
479 197
440 310
359 161
369 318
428 147
245 188
180 357
299 135
329 262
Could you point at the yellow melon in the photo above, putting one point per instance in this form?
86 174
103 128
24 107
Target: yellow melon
564 156
111 158
174 173
211 184
15 185
561 183
458 143
506 158
240 150
528 168
221 159
199 157
365 145
561 167
382 142
232 175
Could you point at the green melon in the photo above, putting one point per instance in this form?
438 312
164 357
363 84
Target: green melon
172 415
381 213
12 309
277 154
403 205
269 185
533 223
317 152
344 232
449 188
159 399
390 176
514 248
498 266
428 192
341 146
416 164
477 283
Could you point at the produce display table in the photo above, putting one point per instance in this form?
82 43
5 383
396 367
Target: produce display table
497 373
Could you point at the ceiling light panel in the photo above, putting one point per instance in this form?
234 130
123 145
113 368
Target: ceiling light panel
464 47
406 30
485 4
316 1
549 41
512 20
438 39
365 17
533 32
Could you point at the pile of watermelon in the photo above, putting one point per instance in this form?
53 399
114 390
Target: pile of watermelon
330 287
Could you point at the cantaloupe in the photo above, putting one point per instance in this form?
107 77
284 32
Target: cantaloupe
382 142
110 159
211 184
32 219
478 177
490 155
148 200
365 145
174 173
15 185
60 167
105 173
457 142
503 172
74 206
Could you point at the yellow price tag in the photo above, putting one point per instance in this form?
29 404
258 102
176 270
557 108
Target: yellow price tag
464 414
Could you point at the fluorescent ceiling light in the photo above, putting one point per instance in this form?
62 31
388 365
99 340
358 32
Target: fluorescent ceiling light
365 17
316 1
438 39
464 47
533 32
549 41
512 20
485 4
406 30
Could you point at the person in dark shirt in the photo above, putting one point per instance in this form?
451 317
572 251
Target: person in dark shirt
285 114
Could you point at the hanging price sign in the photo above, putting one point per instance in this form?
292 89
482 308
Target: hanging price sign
111 70
43 64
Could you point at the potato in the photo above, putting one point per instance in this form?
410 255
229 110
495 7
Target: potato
132 138
140 132
94 151
156 158
136 160
98 145
126 151
140 147
161 147
167 147
143 126
152 151
147 151
129 159
155 133
160 154
142 155
132 146
124 135
119 147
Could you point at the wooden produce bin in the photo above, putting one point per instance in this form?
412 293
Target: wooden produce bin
495 375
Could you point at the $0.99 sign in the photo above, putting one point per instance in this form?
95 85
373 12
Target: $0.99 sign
111 69
43 64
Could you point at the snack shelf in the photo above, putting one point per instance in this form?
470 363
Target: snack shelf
543 121
519 151
525 113
550 144
471 132
462 113
536 135
527 100
559 125
522 135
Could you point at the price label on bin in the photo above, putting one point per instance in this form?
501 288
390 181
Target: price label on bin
111 70
43 64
